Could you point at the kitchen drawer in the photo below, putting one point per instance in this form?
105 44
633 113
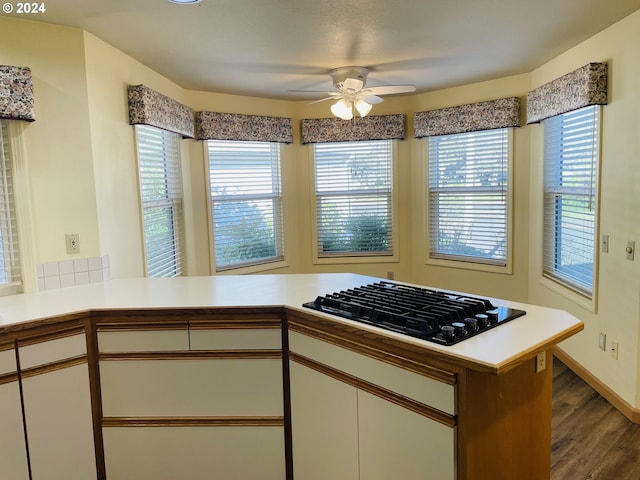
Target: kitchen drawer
423 389
58 349
191 387
236 339
128 341
7 361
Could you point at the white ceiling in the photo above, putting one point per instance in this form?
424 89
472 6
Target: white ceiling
266 48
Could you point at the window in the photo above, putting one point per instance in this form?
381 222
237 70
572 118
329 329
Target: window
246 203
10 270
468 195
161 199
353 189
571 157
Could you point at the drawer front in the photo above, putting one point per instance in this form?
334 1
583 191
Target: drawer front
428 391
236 339
123 341
192 387
54 350
7 361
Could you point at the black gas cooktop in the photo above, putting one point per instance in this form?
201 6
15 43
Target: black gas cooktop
437 316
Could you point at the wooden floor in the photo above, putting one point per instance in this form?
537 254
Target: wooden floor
590 438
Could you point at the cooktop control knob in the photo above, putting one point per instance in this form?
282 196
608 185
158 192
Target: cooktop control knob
458 328
448 332
471 323
493 317
482 319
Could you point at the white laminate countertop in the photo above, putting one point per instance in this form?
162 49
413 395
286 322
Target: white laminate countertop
539 329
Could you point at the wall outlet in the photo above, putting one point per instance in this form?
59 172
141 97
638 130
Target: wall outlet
541 361
390 275
613 350
73 242
602 342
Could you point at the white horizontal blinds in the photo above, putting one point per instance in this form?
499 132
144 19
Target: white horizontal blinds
353 187
571 151
10 272
162 200
468 196
246 202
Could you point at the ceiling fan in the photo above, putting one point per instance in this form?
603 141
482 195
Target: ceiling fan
353 94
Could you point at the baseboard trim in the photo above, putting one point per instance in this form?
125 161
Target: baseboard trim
624 407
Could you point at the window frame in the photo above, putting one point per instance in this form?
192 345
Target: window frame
356 257
175 203
256 265
560 283
469 262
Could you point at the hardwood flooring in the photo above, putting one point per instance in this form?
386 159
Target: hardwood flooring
590 439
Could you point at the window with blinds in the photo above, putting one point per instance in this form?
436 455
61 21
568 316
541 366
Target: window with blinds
246 203
571 158
10 270
468 195
161 200
353 190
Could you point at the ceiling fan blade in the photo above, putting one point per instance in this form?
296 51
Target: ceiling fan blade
324 100
372 99
391 89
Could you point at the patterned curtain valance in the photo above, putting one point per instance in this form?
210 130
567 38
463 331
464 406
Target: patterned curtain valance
580 88
149 107
374 127
501 113
249 128
16 93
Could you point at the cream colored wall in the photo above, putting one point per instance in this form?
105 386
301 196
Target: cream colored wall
58 143
108 73
618 279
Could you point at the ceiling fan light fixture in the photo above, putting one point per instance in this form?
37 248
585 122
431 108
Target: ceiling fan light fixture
363 107
342 109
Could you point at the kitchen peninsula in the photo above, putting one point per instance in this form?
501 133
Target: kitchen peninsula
230 377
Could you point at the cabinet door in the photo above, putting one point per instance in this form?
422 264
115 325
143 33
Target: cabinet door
57 406
396 443
324 423
13 456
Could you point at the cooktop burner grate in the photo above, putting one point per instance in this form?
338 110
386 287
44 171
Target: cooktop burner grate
441 317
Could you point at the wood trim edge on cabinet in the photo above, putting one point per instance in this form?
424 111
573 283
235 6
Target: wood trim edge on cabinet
192 354
8 378
400 400
275 421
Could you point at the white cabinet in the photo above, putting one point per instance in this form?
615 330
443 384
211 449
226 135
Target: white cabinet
192 404
324 426
355 417
57 408
13 454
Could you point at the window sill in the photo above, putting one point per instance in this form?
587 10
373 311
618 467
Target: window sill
247 269
358 259
588 303
468 265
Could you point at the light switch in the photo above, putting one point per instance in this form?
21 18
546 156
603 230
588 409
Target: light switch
631 249
605 243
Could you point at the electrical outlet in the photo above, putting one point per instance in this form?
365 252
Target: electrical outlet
613 350
73 243
541 361
602 342
390 275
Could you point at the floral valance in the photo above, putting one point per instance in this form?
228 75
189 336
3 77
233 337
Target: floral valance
16 93
238 127
501 113
580 88
373 127
148 107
